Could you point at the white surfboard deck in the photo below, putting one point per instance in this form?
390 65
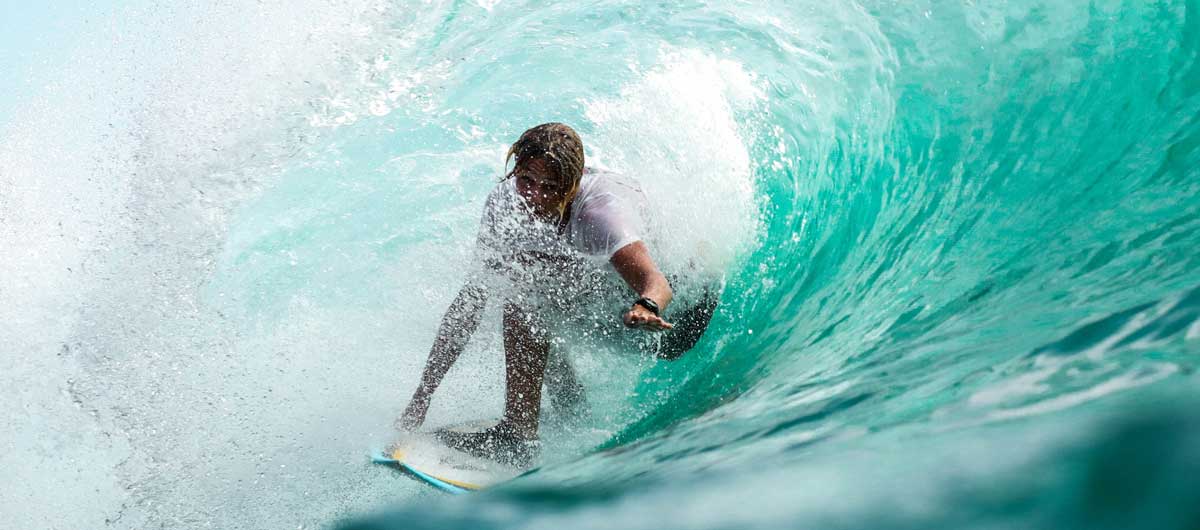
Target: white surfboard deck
424 457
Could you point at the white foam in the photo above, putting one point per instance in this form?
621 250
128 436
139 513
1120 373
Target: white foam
676 130
115 182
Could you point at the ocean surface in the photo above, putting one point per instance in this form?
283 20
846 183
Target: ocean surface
960 243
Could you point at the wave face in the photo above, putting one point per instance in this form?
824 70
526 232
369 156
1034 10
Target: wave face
960 245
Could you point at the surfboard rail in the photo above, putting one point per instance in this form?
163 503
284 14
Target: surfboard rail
423 457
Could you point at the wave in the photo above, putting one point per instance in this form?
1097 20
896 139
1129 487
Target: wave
959 244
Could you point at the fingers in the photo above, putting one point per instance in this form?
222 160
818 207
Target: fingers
635 319
646 320
656 323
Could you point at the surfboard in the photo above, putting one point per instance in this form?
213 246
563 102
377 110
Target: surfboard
423 457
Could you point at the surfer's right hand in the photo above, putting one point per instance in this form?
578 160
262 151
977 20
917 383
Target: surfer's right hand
642 318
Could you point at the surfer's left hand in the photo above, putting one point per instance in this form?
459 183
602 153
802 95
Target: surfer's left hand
640 317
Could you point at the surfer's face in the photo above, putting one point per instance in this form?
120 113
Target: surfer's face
540 189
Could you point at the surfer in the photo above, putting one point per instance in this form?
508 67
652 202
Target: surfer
551 231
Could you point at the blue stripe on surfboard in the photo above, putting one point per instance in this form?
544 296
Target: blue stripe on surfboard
437 483
380 458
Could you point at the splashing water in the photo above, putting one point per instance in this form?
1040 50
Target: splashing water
959 243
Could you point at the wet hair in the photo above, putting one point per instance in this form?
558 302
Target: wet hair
555 144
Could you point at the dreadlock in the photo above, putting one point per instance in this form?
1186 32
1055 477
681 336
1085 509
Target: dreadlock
555 144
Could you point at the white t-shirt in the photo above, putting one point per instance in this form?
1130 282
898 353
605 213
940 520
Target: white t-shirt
608 213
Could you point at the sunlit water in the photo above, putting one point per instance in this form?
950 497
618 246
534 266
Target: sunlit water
960 245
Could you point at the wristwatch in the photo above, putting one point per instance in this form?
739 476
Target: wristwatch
648 304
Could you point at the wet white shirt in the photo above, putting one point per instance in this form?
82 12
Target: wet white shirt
608 213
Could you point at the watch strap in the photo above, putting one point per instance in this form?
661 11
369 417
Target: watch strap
648 304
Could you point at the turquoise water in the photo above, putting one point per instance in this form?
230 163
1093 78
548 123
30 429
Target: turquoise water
959 241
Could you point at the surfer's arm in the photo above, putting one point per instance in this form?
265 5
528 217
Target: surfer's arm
458 324
637 268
